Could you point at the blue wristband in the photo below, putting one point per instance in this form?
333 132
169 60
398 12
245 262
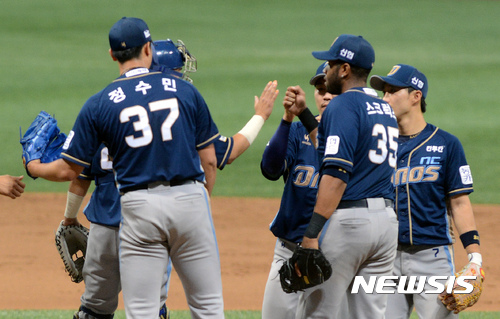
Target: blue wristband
469 238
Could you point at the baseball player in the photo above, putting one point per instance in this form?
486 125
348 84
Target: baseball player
102 274
291 154
158 130
354 207
433 181
11 186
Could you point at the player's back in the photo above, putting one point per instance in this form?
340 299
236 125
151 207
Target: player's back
358 132
153 124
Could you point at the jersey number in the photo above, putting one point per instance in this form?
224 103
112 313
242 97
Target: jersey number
387 145
142 124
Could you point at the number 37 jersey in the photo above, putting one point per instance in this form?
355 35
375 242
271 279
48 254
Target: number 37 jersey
153 125
358 133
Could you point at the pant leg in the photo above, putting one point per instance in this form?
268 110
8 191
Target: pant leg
354 240
101 271
379 262
277 303
435 261
176 222
399 306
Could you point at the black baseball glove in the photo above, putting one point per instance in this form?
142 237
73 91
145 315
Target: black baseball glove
71 243
313 266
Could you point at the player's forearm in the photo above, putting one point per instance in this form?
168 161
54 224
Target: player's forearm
209 165
273 158
56 171
463 217
241 144
330 191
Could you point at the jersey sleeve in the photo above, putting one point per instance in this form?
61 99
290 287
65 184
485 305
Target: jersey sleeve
223 148
206 130
83 140
273 158
458 173
337 135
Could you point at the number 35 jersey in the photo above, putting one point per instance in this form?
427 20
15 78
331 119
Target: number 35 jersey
431 168
358 133
153 125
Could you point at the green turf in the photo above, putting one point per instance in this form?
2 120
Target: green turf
65 314
55 55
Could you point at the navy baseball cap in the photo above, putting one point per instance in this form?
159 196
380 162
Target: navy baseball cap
351 49
402 75
320 73
128 33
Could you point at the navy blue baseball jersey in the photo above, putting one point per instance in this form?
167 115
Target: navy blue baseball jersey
223 148
358 132
431 168
104 204
300 171
148 143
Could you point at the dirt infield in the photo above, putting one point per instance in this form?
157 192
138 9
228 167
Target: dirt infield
32 275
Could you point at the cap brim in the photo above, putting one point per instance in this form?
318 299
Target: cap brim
323 55
377 82
315 78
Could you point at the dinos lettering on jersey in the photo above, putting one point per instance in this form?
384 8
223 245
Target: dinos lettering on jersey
305 176
427 171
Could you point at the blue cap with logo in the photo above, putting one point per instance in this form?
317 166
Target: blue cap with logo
402 75
351 49
128 33
320 73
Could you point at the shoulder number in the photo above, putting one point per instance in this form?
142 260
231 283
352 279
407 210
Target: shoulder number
142 124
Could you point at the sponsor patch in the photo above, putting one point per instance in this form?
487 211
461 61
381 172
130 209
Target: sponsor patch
332 145
466 174
68 140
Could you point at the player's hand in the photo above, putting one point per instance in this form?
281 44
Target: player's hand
264 105
310 243
70 221
295 100
11 186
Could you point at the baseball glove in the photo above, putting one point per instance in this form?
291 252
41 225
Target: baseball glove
457 302
42 133
71 243
313 266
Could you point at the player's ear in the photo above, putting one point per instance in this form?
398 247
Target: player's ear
147 49
111 54
417 96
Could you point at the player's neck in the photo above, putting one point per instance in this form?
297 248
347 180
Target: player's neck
130 65
353 83
411 124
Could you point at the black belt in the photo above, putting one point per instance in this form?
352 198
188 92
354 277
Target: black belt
127 189
288 244
361 203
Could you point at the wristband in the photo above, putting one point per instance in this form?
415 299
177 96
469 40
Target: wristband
73 203
308 120
315 225
476 258
252 128
469 238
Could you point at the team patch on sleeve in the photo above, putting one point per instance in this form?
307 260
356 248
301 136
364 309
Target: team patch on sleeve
332 145
466 174
68 140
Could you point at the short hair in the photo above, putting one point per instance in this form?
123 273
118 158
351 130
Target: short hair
423 104
359 72
128 54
